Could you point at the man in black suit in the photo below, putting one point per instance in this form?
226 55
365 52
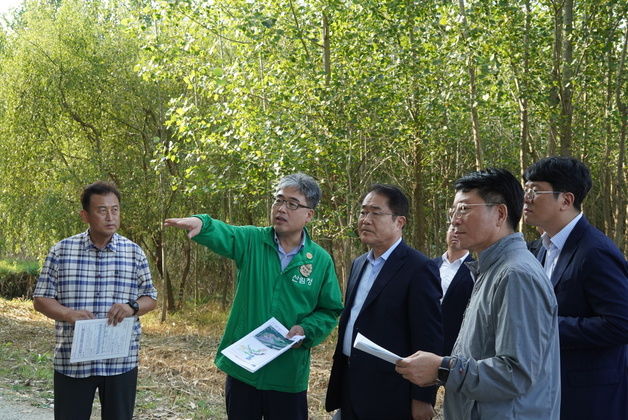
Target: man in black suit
392 298
590 278
457 285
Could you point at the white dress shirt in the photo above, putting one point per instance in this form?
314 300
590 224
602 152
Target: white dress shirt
448 271
555 244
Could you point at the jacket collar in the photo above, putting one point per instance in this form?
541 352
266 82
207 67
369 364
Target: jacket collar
490 255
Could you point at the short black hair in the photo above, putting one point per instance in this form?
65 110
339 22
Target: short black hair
397 200
565 174
97 188
496 185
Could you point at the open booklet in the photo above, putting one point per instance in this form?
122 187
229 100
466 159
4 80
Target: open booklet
260 346
366 345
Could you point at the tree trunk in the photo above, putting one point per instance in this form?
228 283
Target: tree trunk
554 95
418 200
473 99
566 109
187 251
620 193
168 298
326 51
524 123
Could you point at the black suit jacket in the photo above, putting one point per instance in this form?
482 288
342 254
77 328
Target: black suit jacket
591 285
402 314
455 302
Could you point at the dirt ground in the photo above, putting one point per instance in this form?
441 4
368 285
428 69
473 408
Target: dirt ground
177 377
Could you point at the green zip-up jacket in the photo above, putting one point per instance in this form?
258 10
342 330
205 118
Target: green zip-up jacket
306 293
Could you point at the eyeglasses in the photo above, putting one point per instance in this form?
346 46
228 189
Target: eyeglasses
374 214
463 209
290 205
530 193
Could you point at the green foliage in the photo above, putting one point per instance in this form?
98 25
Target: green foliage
18 278
200 106
11 267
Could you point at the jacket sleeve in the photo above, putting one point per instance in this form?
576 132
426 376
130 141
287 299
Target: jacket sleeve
320 322
224 239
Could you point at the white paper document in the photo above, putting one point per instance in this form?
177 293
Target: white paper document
94 339
366 345
261 345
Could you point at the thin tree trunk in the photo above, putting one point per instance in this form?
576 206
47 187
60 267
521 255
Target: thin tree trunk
418 199
326 50
524 124
607 187
566 116
620 193
475 119
187 251
554 95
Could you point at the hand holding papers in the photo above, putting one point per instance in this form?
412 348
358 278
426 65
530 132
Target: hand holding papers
261 345
366 345
95 339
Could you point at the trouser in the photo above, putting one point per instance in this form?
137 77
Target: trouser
245 402
346 408
74 397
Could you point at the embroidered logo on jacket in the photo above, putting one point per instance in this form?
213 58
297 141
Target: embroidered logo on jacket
306 270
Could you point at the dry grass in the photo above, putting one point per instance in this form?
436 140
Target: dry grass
177 379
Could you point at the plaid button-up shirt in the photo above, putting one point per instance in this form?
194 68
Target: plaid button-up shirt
82 277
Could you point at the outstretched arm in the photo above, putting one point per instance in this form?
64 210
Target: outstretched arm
192 224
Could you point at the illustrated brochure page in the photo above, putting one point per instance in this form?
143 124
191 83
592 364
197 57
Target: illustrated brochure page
260 346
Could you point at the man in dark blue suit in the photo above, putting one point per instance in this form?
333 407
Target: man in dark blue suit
393 298
457 285
590 278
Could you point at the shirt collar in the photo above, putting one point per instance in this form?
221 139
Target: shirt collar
491 254
111 246
561 237
294 251
458 261
385 255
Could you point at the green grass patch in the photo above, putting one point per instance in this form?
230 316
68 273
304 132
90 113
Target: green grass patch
18 277
13 266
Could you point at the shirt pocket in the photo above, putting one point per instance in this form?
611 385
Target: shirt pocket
124 284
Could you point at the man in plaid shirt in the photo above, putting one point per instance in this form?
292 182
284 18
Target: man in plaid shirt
95 274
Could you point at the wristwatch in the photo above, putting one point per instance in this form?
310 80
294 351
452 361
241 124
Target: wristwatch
443 370
134 305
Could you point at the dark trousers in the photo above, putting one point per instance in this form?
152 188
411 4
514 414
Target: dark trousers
74 396
245 402
346 408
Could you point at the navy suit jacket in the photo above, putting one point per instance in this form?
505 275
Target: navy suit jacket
402 314
591 285
455 302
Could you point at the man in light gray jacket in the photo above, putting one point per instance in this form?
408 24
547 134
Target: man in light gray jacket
505 363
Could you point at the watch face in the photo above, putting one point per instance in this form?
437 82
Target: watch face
133 304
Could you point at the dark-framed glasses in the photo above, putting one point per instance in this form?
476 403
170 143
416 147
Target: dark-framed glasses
290 205
530 193
462 209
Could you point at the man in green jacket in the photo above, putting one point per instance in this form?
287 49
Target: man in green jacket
282 273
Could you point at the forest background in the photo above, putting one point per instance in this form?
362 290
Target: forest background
194 106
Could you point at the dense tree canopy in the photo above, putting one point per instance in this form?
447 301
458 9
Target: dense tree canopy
199 106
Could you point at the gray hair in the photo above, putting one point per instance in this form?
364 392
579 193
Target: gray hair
305 184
